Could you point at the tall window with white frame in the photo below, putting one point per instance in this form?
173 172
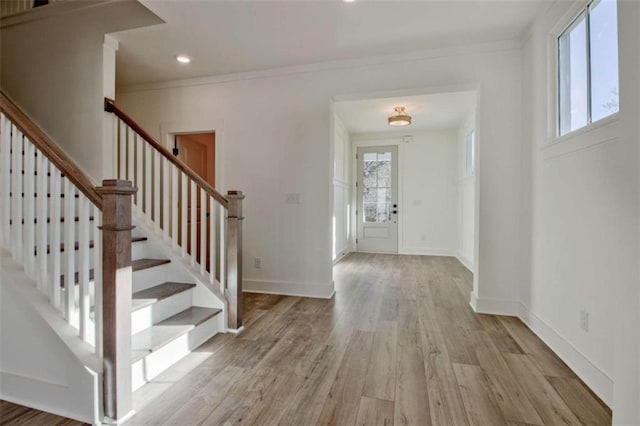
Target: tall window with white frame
588 67
470 168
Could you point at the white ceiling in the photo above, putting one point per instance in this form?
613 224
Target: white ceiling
236 36
441 110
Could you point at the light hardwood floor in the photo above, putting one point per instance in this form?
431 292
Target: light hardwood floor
13 414
398 345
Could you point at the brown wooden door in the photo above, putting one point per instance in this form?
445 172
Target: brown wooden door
198 152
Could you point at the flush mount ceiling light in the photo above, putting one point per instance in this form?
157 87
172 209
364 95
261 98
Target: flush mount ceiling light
183 59
400 118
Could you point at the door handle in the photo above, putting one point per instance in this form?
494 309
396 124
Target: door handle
395 212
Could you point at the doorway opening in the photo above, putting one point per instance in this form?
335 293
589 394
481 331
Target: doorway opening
406 190
196 150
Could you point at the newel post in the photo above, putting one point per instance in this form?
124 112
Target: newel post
234 259
116 296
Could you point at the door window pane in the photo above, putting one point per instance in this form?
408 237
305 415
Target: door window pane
572 61
376 191
603 31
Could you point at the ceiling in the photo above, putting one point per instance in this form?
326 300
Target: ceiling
225 37
440 110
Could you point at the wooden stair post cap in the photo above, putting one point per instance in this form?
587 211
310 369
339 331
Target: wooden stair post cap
117 186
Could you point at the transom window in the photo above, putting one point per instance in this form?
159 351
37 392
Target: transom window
588 67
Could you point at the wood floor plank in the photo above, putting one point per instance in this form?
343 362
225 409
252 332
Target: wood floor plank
546 360
306 406
412 401
508 392
480 404
14 414
375 412
445 400
380 381
341 405
549 405
584 405
499 334
208 396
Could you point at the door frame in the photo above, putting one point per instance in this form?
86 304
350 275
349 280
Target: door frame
395 174
168 129
391 140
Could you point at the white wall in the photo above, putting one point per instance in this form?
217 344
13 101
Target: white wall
276 141
42 362
427 189
466 198
53 69
580 214
626 401
342 189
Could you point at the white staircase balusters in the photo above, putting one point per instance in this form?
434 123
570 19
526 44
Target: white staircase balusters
5 176
16 188
42 178
55 231
69 255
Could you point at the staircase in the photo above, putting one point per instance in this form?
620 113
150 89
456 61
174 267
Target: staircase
143 296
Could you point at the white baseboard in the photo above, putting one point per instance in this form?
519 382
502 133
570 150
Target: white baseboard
483 305
591 374
426 251
466 262
341 256
321 291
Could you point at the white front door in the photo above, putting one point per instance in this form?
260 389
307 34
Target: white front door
377 212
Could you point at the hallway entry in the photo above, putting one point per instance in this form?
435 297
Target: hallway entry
197 150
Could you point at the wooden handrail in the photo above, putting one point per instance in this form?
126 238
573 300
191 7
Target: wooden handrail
110 106
50 150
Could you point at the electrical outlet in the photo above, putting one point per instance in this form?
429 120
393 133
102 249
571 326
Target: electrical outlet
584 320
257 263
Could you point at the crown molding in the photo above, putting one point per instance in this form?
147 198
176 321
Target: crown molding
499 46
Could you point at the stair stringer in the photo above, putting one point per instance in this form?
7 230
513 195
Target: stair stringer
180 269
43 362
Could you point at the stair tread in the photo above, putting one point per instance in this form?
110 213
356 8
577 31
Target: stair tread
153 338
160 292
141 264
136 265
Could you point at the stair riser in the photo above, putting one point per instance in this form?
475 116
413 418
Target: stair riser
158 361
150 277
145 317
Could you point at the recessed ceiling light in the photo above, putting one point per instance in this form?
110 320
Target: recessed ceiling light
183 59
348 1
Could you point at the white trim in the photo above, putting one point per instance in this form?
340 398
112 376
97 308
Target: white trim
343 253
207 125
600 382
331 65
427 251
484 305
288 288
465 262
235 330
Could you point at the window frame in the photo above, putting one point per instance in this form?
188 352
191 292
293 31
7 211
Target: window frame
573 17
470 154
